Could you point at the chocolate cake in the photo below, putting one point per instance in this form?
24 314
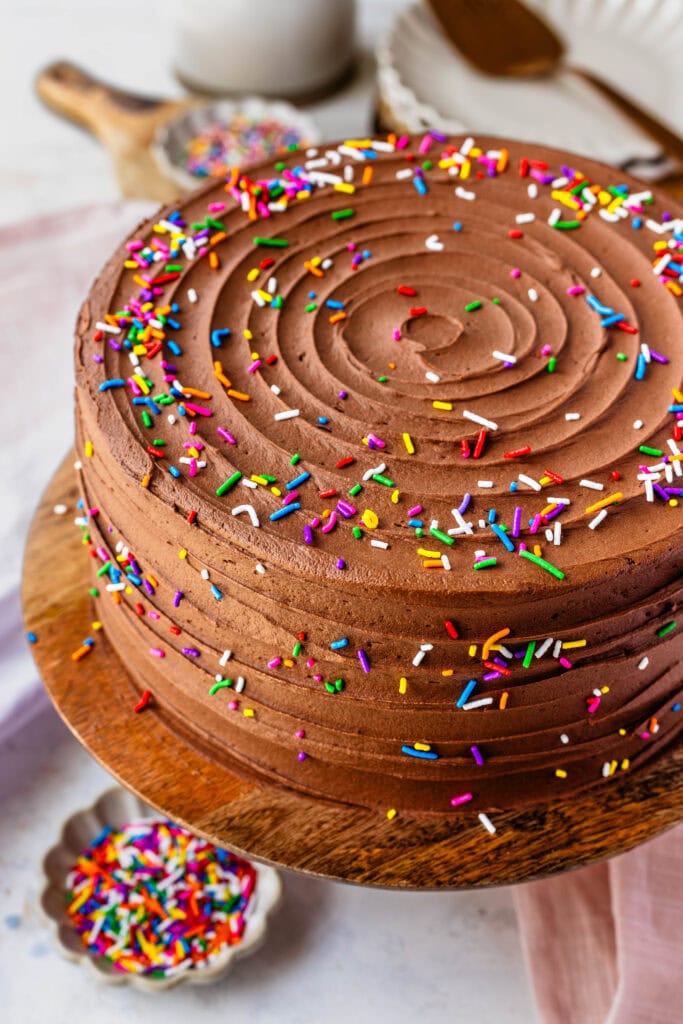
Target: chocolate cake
379 457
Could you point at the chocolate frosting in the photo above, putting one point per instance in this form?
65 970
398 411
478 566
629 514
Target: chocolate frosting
393 294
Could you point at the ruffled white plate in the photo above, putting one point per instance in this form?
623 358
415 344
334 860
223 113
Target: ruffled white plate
116 807
634 44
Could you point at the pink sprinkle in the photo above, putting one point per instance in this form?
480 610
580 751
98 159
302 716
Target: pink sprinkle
546 350
310 662
157 652
396 334
274 662
576 289
254 366
222 432
425 144
134 246
193 427
200 410
232 705
193 467
331 523
299 734
515 272
154 615
457 800
414 510
216 207
565 663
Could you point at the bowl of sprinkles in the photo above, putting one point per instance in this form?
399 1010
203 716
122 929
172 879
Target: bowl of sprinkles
212 139
138 899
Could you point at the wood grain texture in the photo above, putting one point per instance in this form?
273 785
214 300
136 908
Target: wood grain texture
95 698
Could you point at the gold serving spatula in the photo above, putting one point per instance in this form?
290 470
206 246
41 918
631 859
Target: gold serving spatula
507 38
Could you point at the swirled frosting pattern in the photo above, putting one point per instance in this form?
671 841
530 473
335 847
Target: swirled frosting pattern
381 471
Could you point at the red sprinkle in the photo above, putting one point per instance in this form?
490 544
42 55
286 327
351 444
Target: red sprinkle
191 516
515 233
465 448
348 461
328 494
139 609
481 441
451 630
517 452
144 701
418 310
635 283
404 289
615 474
555 477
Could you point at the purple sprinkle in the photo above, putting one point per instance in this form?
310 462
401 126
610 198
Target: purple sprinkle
341 564
345 509
177 598
343 394
308 534
658 357
301 756
191 652
363 659
476 754
516 521
490 676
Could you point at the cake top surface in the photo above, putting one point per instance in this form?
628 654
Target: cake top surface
442 365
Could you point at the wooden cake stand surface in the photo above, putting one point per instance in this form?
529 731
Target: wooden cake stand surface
95 698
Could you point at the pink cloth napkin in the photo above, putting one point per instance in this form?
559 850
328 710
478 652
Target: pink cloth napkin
604 944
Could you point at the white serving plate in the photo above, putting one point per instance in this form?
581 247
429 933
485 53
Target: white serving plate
635 45
116 807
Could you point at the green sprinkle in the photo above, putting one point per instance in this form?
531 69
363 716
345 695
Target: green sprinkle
272 243
670 626
343 214
217 224
356 489
380 479
427 165
219 685
567 225
496 301
485 563
230 482
552 569
159 442
440 535
622 357
104 569
552 363
529 653
280 166
277 302
339 685
147 420
268 478
294 459
310 307
357 532
296 650
471 306
330 688
646 450
383 379
419 532
174 268
94 592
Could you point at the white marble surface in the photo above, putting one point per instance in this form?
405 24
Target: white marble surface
335 953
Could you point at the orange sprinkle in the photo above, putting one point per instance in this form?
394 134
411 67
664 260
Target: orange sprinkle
239 395
494 638
503 702
214 262
341 315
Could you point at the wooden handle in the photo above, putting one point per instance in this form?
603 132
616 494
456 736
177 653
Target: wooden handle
671 143
93 104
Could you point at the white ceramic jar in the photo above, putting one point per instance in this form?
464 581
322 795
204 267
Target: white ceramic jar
295 49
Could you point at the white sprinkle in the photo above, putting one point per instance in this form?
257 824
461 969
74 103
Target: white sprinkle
554 216
271 287
484 483
251 512
593 485
503 356
275 389
482 702
557 536
569 416
533 294
486 822
557 649
596 272
404 174
473 418
645 349
525 218
606 769
480 554
505 651
107 328
649 490
322 178
547 643
433 377
78 465
463 193
418 657
251 484
467 145
288 414
260 568
171 419
349 173
135 361
549 535
59 510
239 685
115 586
532 190
258 299
382 146
643 663
446 563
433 242
658 267
379 544
637 424
375 470
482 524
564 738
559 182
598 519
225 657
558 501
673 446
204 573
327 263
529 481
426 647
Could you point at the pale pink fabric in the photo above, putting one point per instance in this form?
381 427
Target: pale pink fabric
604 944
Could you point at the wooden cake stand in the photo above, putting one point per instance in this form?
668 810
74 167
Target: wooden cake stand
274 824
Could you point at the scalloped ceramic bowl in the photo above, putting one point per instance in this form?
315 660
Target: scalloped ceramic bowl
172 139
116 807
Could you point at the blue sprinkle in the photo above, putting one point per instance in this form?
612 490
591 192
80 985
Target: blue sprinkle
464 696
337 645
173 323
416 522
502 537
514 486
216 592
115 382
311 295
615 318
676 408
334 304
174 472
457 226
419 184
676 706
301 479
636 223
280 513
31 637
426 755
322 420
218 335
174 347
492 515
174 307
641 366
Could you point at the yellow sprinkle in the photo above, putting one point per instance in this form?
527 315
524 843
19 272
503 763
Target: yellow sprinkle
537 551
447 406
425 553
611 500
258 479
145 480
658 246
182 553
253 274
472 650
408 442
422 746
673 502
503 702
447 671
370 519
545 480
345 186
288 663
561 773
391 813
394 497
266 296
465 169
139 350
248 712
402 684
625 764
247 334
678 395
622 732
613 767
604 689
276 491
96 625
570 644
89 450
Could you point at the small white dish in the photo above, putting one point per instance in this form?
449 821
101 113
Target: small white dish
424 83
170 144
116 807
